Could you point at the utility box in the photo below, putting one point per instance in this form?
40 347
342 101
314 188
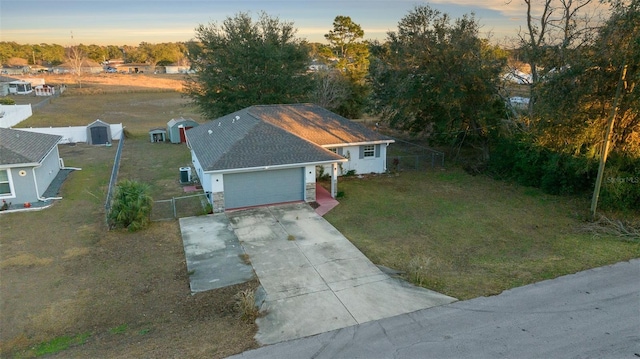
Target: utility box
185 174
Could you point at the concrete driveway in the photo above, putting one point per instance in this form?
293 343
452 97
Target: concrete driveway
314 278
590 314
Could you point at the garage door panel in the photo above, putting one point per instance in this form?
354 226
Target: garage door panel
263 187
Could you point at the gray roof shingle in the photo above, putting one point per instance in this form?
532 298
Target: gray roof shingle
316 124
24 147
242 140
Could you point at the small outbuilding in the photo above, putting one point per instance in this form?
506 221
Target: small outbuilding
45 90
177 127
158 135
98 133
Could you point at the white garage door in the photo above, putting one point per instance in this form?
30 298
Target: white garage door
263 187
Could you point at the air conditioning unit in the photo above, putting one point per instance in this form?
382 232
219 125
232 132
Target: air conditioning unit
185 174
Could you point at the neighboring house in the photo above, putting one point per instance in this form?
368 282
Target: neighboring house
29 162
176 128
268 154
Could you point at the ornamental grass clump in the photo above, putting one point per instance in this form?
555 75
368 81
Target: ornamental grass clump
131 206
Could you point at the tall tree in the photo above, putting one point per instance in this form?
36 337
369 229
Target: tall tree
349 55
575 103
556 30
77 60
440 79
244 62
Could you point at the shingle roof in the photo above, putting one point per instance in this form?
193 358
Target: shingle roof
177 121
242 140
316 124
23 147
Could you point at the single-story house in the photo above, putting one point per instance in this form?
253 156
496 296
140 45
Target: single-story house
268 154
176 128
29 162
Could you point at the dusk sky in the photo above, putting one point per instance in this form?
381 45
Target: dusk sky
121 22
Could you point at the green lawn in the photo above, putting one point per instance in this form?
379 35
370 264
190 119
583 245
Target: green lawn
469 236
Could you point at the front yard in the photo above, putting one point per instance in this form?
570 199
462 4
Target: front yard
469 236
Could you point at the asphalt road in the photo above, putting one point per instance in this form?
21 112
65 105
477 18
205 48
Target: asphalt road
591 314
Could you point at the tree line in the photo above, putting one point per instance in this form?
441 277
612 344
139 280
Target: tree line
54 54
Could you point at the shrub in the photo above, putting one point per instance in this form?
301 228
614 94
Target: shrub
7 101
527 164
131 206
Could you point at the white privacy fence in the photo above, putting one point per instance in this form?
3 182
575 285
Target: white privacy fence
74 133
11 115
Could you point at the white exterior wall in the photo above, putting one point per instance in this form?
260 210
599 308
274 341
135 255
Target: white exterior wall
217 182
73 133
47 171
310 174
361 165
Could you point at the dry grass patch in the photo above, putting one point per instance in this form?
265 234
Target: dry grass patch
25 260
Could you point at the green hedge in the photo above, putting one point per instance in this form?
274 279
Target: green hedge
520 160
535 166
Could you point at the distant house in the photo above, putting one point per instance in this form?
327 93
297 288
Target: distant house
269 154
177 69
176 128
15 70
29 162
20 88
87 66
138 68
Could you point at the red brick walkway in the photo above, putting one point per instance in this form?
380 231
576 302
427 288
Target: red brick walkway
324 200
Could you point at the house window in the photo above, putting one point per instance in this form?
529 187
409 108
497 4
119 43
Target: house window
5 184
334 150
369 151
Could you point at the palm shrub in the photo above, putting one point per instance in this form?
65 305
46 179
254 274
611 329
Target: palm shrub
131 206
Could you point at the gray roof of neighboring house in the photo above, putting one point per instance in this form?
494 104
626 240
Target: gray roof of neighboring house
24 147
242 140
317 124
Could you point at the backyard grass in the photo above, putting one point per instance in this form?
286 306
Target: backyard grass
68 286
472 236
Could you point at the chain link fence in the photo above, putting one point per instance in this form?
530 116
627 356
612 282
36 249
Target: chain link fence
407 156
179 207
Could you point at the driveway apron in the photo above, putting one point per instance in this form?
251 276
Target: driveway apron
314 278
